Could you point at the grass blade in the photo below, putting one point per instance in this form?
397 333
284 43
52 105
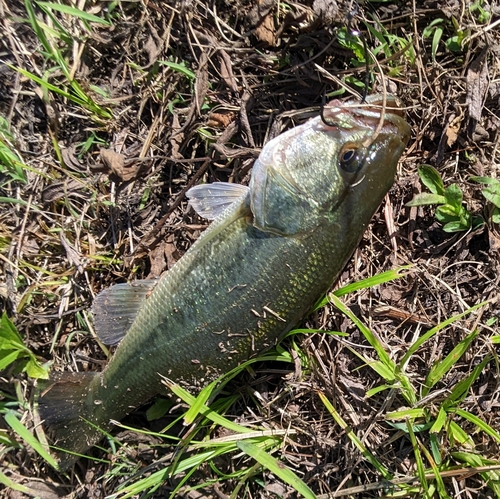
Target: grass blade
482 425
28 437
199 403
457 434
418 459
5 480
370 337
207 412
379 367
439 369
36 26
440 421
375 280
180 68
354 438
276 467
72 11
440 486
406 413
429 334
461 389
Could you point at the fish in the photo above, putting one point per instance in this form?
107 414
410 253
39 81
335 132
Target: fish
272 249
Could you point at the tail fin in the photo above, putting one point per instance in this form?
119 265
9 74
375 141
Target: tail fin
64 404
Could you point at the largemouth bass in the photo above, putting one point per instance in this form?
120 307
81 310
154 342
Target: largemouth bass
273 248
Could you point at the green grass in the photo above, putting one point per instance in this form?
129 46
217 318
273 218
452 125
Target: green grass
11 164
56 44
394 50
434 428
438 424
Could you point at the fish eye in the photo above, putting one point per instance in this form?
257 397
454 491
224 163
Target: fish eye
349 159
348 155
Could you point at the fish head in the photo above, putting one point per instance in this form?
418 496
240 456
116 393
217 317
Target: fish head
344 159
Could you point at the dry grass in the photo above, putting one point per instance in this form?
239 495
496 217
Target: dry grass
195 89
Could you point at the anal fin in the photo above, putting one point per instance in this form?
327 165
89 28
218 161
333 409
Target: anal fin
115 309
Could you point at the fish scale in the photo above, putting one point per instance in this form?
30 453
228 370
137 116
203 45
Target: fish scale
251 276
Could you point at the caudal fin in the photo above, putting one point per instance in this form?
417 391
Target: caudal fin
63 404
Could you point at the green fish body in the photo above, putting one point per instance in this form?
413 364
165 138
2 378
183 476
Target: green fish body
271 251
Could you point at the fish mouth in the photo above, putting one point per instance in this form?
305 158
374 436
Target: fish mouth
378 112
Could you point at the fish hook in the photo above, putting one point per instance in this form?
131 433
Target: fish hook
322 111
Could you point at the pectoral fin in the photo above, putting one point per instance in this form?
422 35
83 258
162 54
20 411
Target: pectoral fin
115 309
210 200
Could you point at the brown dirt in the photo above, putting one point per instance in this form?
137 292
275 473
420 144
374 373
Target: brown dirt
117 211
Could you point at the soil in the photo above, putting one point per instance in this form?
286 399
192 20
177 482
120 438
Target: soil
195 90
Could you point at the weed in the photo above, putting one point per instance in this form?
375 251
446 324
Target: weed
492 194
438 27
391 46
13 353
451 212
434 29
12 349
483 16
276 467
11 418
180 68
92 142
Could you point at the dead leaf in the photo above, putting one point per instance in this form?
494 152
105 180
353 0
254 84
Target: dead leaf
246 105
355 388
259 11
326 10
449 135
30 244
73 255
68 188
265 31
126 170
157 260
171 252
452 131
477 85
176 137
151 49
163 256
221 120
71 160
494 240
201 82
226 71
43 490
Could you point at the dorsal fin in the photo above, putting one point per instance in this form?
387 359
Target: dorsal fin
115 309
210 200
